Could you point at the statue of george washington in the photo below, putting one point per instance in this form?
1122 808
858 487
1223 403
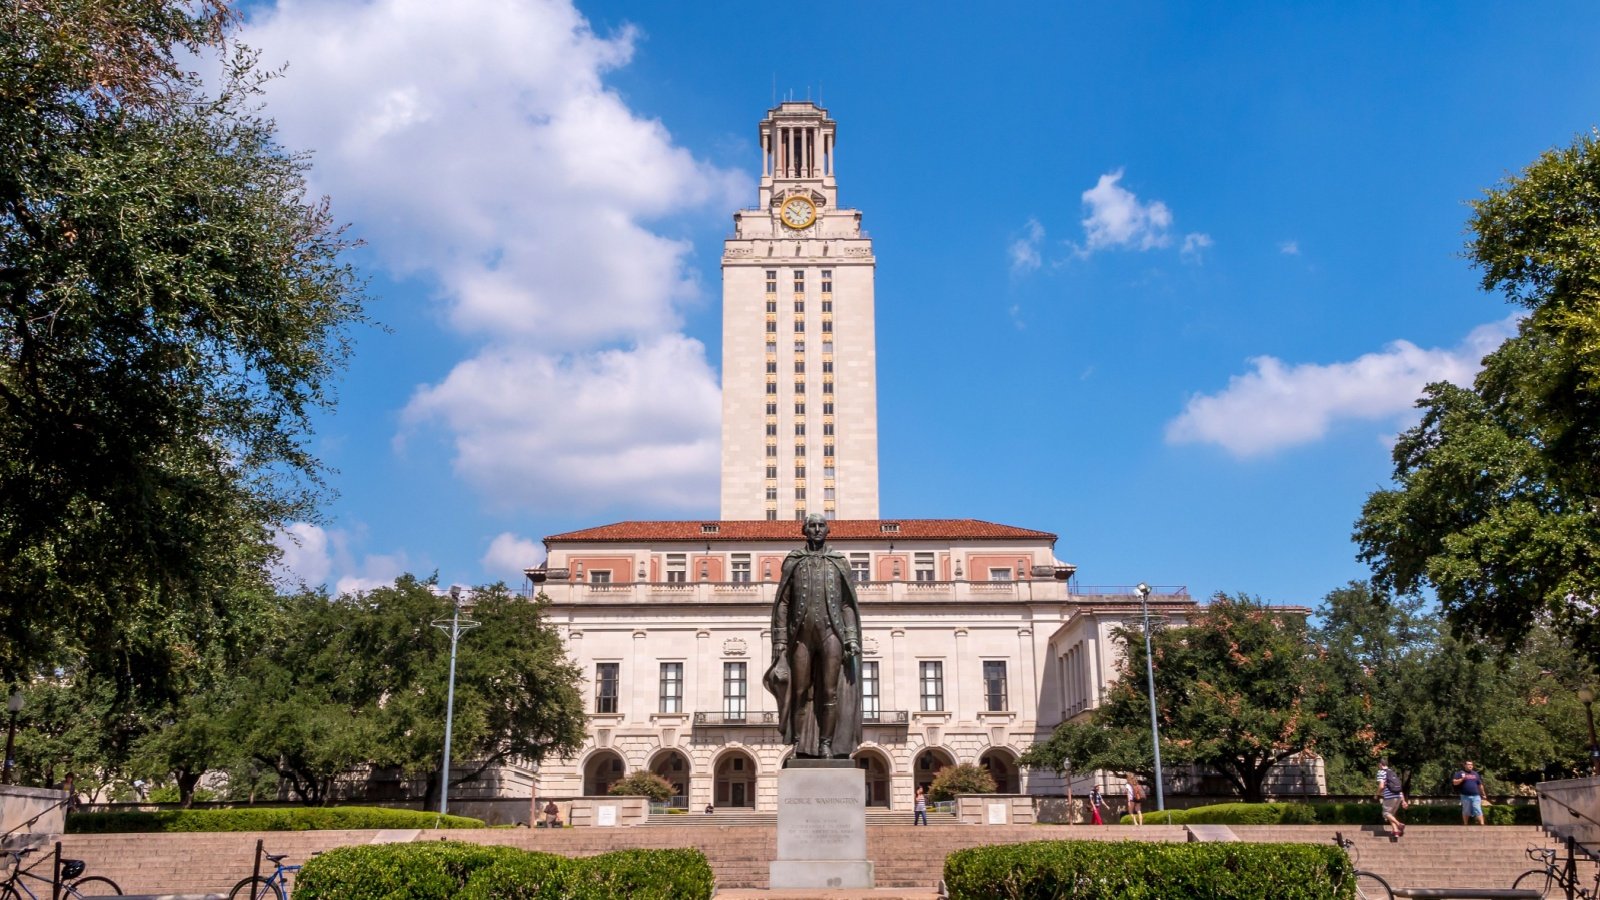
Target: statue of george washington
816 650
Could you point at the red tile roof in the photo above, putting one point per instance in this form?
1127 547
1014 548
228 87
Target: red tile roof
693 531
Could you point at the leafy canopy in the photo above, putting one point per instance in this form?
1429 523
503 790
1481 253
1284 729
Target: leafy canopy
1494 501
172 309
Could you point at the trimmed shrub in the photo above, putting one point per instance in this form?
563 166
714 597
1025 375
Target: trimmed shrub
1233 814
643 784
430 870
321 818
1346 813
965 778
457 871
1134 870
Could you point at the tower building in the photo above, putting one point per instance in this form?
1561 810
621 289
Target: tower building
799 352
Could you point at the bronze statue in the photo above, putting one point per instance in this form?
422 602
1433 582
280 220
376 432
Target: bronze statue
816 650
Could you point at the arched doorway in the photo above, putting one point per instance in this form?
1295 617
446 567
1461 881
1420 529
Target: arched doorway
927 765
1002 765
673 767
603 769
734 781
876 768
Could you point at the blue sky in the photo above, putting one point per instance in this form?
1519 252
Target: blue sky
1162 279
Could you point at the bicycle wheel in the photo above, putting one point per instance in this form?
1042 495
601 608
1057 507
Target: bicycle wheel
94 886
257 888
1541 880
7 892
1371 887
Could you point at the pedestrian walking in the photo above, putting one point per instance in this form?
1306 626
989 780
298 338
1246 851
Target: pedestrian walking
1135 797
1392 797
1097 802
919 806
1469 784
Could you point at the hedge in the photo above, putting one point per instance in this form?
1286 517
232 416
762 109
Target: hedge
1137 870
1366 813
263 819
457 871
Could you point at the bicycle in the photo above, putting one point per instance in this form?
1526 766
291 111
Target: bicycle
265 887
1369 885
16 887
1552 880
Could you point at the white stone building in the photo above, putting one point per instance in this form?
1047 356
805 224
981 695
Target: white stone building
974 647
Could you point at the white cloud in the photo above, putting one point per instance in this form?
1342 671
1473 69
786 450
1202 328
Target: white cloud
1194 246
509 554
1278 405
314 557
1289 248
581 431
1117 219
1025 249
477 148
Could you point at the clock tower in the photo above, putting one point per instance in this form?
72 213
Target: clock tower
799 350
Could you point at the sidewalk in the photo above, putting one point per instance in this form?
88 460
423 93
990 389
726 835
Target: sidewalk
827 894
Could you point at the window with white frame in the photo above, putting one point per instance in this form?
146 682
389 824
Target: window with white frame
599 576
672 687
1000 573
871 690
677 568
741 567
861 567
605 687
734 688
932 685
922 566
994 685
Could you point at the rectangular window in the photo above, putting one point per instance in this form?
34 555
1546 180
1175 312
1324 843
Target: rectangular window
605 687
672 687
827 387
772 367
827 365
772 471
932 686
799 280
799 429
860 567
799 346
772 493
922 565
772 429
827 326
741 567
772 515
800 471
827 493
994 685
871 690
772 387
772 449
800 492
772 326
799 306
827 471
799 367
600 576
799 449
772 409
799 387
734 687
827 305
1000 574
677 568
827 449
827 407
800 326
799 407
827 428
772 274
772 306
827 281
772 346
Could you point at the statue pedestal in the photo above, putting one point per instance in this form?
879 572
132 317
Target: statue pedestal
822 826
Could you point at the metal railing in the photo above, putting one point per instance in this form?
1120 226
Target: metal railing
744 718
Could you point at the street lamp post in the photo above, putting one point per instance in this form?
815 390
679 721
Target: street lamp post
1150 680
15 706
1586 696
454 626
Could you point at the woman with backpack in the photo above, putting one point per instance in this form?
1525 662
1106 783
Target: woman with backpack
1135 798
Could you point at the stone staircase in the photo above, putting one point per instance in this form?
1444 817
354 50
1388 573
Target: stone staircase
906 856
875 816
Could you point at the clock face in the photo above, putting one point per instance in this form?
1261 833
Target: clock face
798 212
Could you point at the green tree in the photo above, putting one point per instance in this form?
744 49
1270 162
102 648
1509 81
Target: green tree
361 680
1236 690
641 783
1493 506
172 308
964 778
